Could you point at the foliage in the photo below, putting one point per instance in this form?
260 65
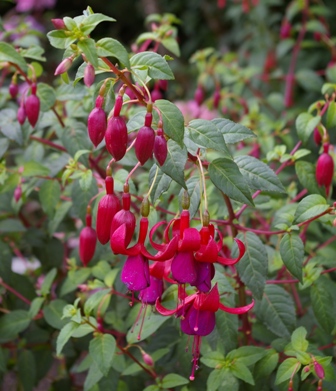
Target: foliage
130 220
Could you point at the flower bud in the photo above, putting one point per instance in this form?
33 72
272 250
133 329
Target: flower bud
144 143
285 30
162 84
21 115
58 24
199 95
317 137
160 148
13 90
319 370
156 95
216 99
89 75
97 125
108 206
87 244
17 193
64 66
147 359
32 108
325 168
116 137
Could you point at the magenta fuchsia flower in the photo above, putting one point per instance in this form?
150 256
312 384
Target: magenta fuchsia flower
33 5
197 313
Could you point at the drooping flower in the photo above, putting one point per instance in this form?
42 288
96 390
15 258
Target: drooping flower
197 313
325 168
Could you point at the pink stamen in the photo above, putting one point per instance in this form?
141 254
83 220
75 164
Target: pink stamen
142 320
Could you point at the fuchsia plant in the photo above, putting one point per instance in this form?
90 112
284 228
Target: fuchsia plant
157 217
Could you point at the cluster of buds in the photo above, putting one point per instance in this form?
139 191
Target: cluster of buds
186 257
29 107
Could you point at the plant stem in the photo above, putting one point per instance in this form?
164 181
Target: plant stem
16 293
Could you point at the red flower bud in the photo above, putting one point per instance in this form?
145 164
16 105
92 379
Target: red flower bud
199 95
21 115
319 370
13 90
124 216
147 359
116 137
97 125
216 98
64 66
58 24
144 143
317 136
17 193
108 206
285 30
162 84
89 75
32 107
325 168
160 148
87 244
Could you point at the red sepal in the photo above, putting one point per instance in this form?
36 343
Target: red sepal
229 261
238 310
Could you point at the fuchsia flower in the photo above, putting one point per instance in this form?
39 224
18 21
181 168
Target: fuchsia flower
197 313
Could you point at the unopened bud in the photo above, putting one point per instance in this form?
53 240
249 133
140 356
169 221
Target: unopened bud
64 66
17 193
185 200
89 75
319 370
145 207
147 359
58 24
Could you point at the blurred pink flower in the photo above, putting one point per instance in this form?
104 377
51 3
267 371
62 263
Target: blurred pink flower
33 5
191 110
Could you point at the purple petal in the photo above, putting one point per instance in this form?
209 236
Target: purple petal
150 294
202 322
135 273
183 268
205 273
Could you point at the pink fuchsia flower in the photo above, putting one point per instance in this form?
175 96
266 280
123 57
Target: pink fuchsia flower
191 110
34 5
197 314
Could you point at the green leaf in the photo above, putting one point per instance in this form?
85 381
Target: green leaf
85 180
247 355
258 175
306 173
156 65
81 197
9 54
47 96
173 380
151 323
266 365
323 305
305 125
232 132
287 369
298 339
11 225
109 47
35 306
171 44
227 326
74 138
27 370
102 349
49 195
225 174
13 323
194 191
216 379
59 39
47 282
64 336
229 382
212 359
74 278
276 310
173 120
93 376
252 268
331 115
34 53
310 207
88 47
34 169
175 162
60 213
242 372
3 360
100 298
101 269
9 126
309 80
4 144
53 314
161 184
90 22
292 254
205 134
